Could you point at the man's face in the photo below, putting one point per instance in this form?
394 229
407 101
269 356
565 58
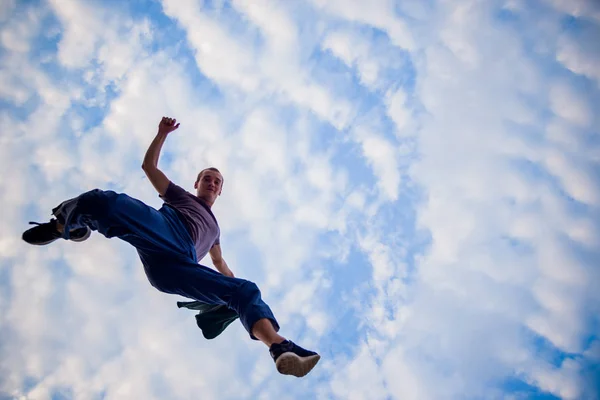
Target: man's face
208 186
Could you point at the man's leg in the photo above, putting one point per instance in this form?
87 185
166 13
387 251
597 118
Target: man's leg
263 330
184 277
116 215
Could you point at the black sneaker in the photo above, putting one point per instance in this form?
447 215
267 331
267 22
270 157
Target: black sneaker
291 359
47 233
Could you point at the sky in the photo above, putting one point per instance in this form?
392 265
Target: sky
414 185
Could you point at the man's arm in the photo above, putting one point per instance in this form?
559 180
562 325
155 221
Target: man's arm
150 164
217 259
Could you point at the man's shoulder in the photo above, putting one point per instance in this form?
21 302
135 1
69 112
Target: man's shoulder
175 191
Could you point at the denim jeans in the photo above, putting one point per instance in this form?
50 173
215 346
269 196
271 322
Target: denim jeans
166 250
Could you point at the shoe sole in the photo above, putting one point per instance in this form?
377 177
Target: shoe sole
87 235
292 364
41 243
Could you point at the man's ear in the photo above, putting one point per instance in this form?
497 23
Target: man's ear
196 185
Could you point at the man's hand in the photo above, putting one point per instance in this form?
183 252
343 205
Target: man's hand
167 125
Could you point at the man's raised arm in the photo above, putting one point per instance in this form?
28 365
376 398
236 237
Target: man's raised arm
150 165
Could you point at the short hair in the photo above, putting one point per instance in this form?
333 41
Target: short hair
210 169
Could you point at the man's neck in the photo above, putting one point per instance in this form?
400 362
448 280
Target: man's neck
208 204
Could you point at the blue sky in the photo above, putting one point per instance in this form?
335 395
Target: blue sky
413 185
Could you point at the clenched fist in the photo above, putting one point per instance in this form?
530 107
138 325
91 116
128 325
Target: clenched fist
167 125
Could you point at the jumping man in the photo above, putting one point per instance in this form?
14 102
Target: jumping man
170 241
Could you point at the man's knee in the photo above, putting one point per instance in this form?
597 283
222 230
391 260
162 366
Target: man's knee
97 195
249 291
97 200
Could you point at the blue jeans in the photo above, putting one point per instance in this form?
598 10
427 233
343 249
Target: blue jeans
166 249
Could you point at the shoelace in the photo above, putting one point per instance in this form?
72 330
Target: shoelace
51 222
41 223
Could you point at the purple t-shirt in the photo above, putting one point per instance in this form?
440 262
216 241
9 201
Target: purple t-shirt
200 220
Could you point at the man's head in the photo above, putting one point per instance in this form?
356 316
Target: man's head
209 184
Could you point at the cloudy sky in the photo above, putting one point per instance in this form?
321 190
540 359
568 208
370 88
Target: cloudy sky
414 186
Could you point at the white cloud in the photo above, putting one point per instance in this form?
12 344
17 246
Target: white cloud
401 379
399 112
91 34
576 8
382 157
278 27
379 14
564 381
17 33
229 59
566 103
458 35
581 53
582 231
573 176
354 49
381 259
82 29
361 379
225 59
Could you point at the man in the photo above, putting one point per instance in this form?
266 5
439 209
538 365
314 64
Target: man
170 241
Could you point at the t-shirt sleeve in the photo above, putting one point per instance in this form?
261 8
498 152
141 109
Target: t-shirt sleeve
217 241
173 193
